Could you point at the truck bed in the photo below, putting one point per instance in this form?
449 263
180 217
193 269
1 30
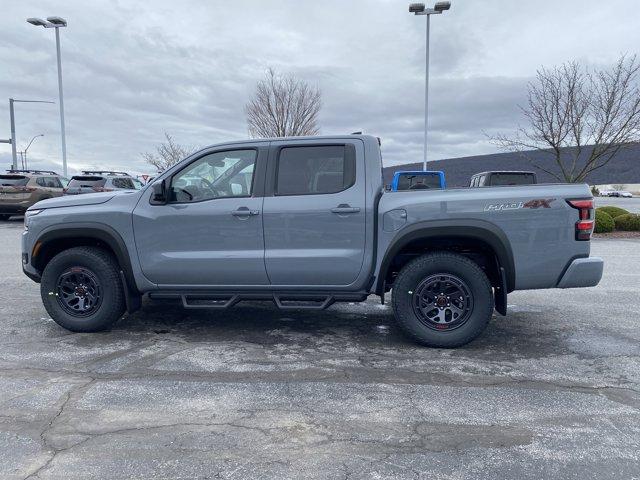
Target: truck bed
535 220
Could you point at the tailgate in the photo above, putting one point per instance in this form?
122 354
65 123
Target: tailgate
10 193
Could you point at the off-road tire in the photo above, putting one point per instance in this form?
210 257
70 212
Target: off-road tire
102 265
455 266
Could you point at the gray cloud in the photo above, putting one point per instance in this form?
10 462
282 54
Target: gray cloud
133 70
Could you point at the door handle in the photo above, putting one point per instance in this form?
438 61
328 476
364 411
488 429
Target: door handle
244 212
345 208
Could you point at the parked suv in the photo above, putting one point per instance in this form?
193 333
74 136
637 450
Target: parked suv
19 189
92 181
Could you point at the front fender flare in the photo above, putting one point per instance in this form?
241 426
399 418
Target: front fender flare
97 231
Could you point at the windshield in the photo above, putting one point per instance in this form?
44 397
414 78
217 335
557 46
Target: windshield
13 180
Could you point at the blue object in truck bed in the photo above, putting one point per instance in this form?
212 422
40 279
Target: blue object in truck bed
418 180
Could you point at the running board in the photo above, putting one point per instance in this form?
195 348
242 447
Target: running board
306 302
282 300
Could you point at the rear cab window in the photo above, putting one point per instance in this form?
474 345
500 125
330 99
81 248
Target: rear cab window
315 170
512 179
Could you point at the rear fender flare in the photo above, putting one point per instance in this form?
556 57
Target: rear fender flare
470 229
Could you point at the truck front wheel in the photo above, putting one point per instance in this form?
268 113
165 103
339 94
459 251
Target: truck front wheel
442 300
82 291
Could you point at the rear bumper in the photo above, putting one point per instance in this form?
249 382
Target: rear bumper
582 272
17 208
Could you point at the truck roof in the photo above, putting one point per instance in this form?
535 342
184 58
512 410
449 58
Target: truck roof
293 139
504 171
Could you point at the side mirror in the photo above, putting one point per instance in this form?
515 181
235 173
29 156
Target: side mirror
159 195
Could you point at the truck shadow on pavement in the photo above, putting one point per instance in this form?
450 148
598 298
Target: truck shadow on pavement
356 328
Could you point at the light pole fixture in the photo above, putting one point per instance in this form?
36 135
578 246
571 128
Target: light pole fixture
12 121
24 153
57 23
419 9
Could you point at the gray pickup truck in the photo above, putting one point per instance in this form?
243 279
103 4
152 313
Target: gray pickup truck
305 222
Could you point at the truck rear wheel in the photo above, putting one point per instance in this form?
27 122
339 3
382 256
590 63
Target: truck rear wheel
82 291
442 300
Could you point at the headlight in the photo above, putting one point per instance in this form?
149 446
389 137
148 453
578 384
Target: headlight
30 213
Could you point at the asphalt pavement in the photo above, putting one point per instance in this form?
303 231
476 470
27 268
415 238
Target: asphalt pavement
551 391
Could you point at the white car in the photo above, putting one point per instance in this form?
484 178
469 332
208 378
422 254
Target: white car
617 193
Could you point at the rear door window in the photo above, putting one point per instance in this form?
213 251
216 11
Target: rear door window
123 183
315 170
47 182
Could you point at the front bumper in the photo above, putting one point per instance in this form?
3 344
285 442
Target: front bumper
28 269
582 272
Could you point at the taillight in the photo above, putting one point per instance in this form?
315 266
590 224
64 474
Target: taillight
585 223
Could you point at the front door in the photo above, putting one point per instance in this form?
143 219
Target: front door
210 231
315 214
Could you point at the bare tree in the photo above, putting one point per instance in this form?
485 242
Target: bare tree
167 154
595 111
283 106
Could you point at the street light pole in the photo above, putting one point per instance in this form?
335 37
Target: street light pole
61 97
57 23
12 120
419 9
426 98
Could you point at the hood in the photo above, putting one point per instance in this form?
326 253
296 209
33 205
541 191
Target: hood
77 200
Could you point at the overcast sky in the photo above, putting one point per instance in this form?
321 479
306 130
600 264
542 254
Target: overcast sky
135 69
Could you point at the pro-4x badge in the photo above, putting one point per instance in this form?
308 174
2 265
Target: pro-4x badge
537 203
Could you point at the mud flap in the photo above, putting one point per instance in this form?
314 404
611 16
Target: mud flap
500 294
132 300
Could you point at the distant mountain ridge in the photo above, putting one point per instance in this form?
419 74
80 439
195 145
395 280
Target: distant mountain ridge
624 168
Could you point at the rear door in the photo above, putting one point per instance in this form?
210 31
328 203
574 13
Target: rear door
49 187
315 213
122 183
